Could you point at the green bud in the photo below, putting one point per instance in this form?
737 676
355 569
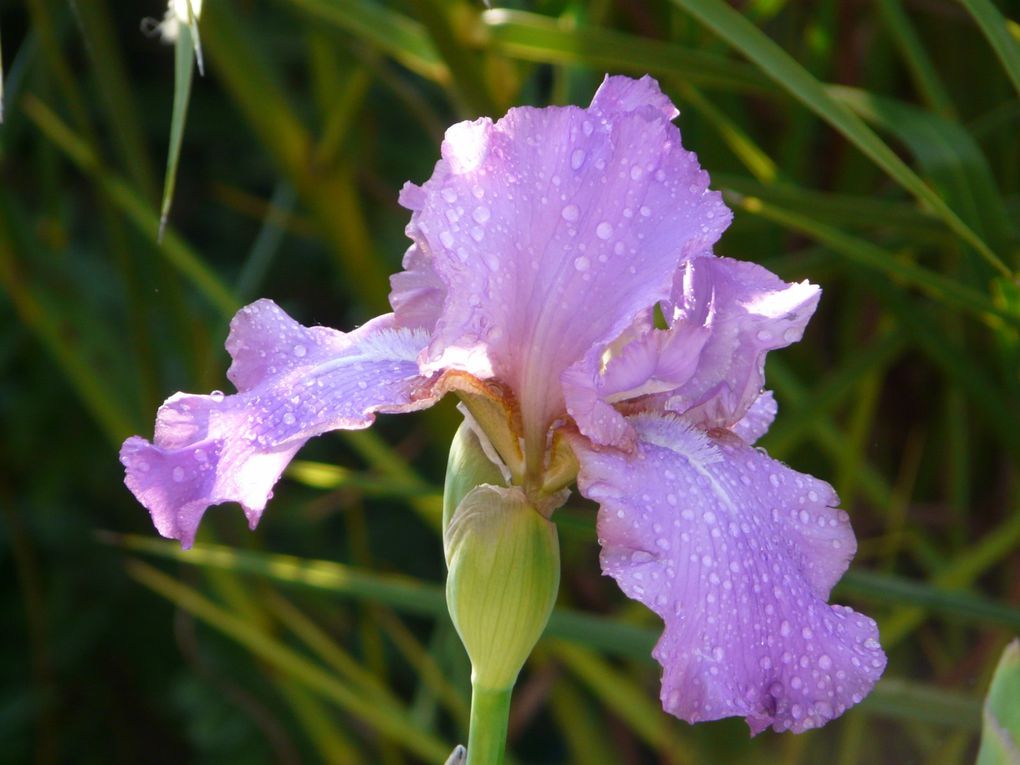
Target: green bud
504 567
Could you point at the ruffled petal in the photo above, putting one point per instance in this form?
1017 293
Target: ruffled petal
294 382
749 311
552 229
654 362
417 293
619 95
710 364
758 419
737 553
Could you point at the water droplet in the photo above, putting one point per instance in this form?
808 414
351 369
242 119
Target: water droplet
300 351
446 238
200 456
577 159
641 556
764 334
824 661
143 466
604 230
481 214
216 395
645 210
449 195
635 172
477 233
178 474
582 263
288 418
587 127
806 633
784 628
570 212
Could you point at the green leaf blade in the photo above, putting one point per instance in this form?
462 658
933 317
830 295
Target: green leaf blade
1000 737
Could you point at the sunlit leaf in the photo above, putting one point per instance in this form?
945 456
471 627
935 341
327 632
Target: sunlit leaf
1000 734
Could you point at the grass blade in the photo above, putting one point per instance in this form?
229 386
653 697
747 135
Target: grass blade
184 62
1 78
862 252
399 36
961 606
107 409
948 154
903 699
533 37
996 28
125 198
276 654
921 67
620 693
786 72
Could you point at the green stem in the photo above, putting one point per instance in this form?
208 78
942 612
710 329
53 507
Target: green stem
490 713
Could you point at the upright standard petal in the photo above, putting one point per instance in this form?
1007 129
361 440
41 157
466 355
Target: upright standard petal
552 229
737 553
724 316
750 311
293 382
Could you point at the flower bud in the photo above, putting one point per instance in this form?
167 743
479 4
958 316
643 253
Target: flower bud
504 569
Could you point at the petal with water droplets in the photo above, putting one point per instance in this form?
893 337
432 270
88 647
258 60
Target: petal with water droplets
749 312
552 229
737 553
293 382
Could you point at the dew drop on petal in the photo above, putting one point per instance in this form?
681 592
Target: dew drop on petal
604 230
178 474
582 263
577 159
481 214
300 350
570 212
288 418
446 238
216 395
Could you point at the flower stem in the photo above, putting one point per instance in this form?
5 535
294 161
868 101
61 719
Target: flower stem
490 713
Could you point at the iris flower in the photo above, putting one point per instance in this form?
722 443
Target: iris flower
562 282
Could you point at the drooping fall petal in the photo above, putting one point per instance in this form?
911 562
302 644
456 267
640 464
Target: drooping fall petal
737 553
293 382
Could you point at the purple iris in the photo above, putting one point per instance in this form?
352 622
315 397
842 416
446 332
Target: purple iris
542 245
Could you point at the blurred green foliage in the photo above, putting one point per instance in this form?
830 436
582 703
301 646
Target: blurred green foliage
870 146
